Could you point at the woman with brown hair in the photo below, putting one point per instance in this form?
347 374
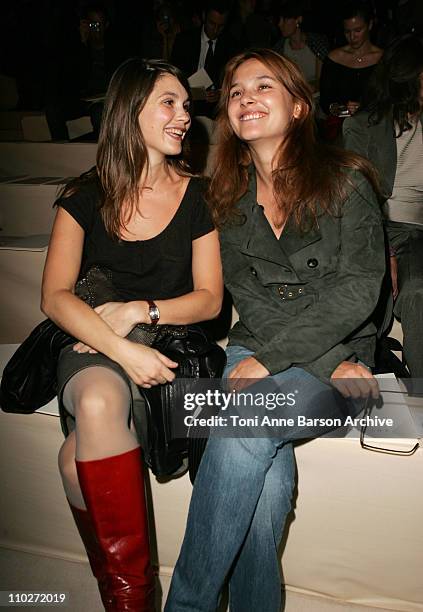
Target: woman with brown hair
140 215
347 69
303 257
306 49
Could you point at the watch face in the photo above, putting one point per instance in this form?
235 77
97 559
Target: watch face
154 313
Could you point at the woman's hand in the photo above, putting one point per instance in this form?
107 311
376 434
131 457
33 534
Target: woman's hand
354 380
352 106
245 369
144 365
119 316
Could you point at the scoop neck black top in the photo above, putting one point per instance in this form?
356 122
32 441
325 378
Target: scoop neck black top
157 268
339 83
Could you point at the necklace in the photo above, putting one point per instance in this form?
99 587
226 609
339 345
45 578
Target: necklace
359 58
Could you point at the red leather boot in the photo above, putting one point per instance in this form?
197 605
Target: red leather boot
113 489
95 555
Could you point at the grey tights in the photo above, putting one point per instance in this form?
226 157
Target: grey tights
99 399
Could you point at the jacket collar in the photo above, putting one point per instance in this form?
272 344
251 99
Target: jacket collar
259 239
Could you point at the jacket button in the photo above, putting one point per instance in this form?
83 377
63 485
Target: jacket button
312 263
253 271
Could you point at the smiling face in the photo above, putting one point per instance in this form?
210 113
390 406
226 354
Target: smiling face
260 108
357 31
165 118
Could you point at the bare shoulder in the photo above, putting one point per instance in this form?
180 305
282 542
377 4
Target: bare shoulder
376 53
337 55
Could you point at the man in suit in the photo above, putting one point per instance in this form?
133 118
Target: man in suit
206 47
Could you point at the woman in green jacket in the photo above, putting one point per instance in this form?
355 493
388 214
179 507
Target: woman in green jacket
303 254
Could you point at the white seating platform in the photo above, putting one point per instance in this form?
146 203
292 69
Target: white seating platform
46 158
26 205
21 269
356 534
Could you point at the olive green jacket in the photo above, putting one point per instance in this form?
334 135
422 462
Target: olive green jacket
375 142
306 300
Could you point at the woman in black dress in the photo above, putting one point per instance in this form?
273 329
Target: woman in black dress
346 70
140 214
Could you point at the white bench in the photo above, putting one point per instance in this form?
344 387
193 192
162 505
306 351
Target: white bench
21 269
26 204
356 534
47 158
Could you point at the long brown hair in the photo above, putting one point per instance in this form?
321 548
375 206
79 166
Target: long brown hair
394 86
309 176
121 153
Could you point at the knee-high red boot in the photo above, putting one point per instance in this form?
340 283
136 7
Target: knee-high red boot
96 556
113 489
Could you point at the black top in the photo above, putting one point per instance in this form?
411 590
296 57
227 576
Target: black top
340 83
158 268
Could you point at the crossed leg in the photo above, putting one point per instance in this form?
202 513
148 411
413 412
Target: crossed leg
99 399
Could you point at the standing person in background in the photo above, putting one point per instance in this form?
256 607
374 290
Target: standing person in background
408 16
140 215
159 33
242 24
83 70
347 69
303 255
306 49
388 131
206 47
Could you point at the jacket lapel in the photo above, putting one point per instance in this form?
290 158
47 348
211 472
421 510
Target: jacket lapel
260 241
292 240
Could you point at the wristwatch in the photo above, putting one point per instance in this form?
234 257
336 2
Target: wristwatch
153 312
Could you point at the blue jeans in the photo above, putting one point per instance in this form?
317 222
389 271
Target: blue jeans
240 501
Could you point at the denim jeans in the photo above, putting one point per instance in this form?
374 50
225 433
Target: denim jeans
240 501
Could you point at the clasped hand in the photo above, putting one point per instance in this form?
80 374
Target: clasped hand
118 316
354 380
352 106
144 365
350 379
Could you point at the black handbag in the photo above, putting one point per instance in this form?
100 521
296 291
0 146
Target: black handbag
29 379
154 419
